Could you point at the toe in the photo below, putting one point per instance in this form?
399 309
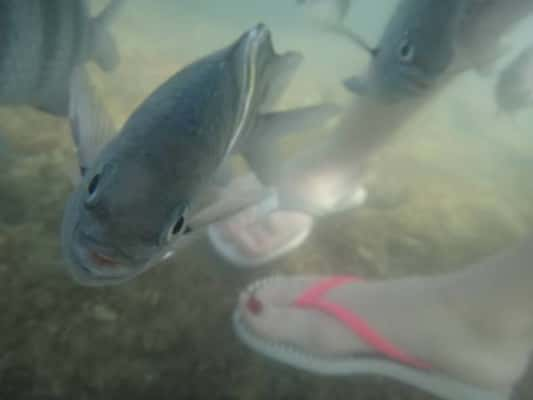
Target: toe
280 292
269 321
267 310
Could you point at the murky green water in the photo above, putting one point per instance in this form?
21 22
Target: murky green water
459 172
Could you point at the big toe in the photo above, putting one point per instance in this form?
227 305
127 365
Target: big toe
267 310
279 292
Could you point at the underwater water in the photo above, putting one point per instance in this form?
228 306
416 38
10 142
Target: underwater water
455 187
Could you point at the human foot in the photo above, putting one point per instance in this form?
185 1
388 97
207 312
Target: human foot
417 316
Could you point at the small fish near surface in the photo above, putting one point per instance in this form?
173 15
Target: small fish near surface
514 88
137 199
414 53
43 41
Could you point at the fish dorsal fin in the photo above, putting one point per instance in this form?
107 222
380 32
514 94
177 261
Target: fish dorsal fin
91 125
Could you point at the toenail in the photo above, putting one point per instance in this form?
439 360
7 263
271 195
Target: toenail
254 305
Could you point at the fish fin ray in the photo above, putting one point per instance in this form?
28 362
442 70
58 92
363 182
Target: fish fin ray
262 152
91 125
230 203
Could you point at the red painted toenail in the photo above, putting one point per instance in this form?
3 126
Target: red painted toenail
254 305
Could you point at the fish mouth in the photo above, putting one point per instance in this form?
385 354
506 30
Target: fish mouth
93 265
101 255
88 261
407 83
97 266
103 260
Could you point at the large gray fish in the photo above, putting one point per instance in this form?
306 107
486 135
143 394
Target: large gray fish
414 52
43 41
139 192
514 88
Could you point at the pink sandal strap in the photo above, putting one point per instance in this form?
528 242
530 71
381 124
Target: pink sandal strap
312 298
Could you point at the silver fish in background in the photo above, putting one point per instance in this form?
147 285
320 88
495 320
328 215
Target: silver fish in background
139 192
415 51
419 54
483 28
514 88
43 41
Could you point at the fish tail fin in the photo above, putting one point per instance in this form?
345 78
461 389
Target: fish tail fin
104 48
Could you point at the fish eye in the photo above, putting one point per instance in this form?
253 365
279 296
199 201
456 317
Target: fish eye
178 226
93 184
406 51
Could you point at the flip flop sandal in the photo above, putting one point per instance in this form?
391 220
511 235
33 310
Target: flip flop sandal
231 252
390 361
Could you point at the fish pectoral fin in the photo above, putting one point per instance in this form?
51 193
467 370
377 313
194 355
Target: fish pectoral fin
357 85
263 153
91 125
229 205
296 120
224 174
104 50
280 72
